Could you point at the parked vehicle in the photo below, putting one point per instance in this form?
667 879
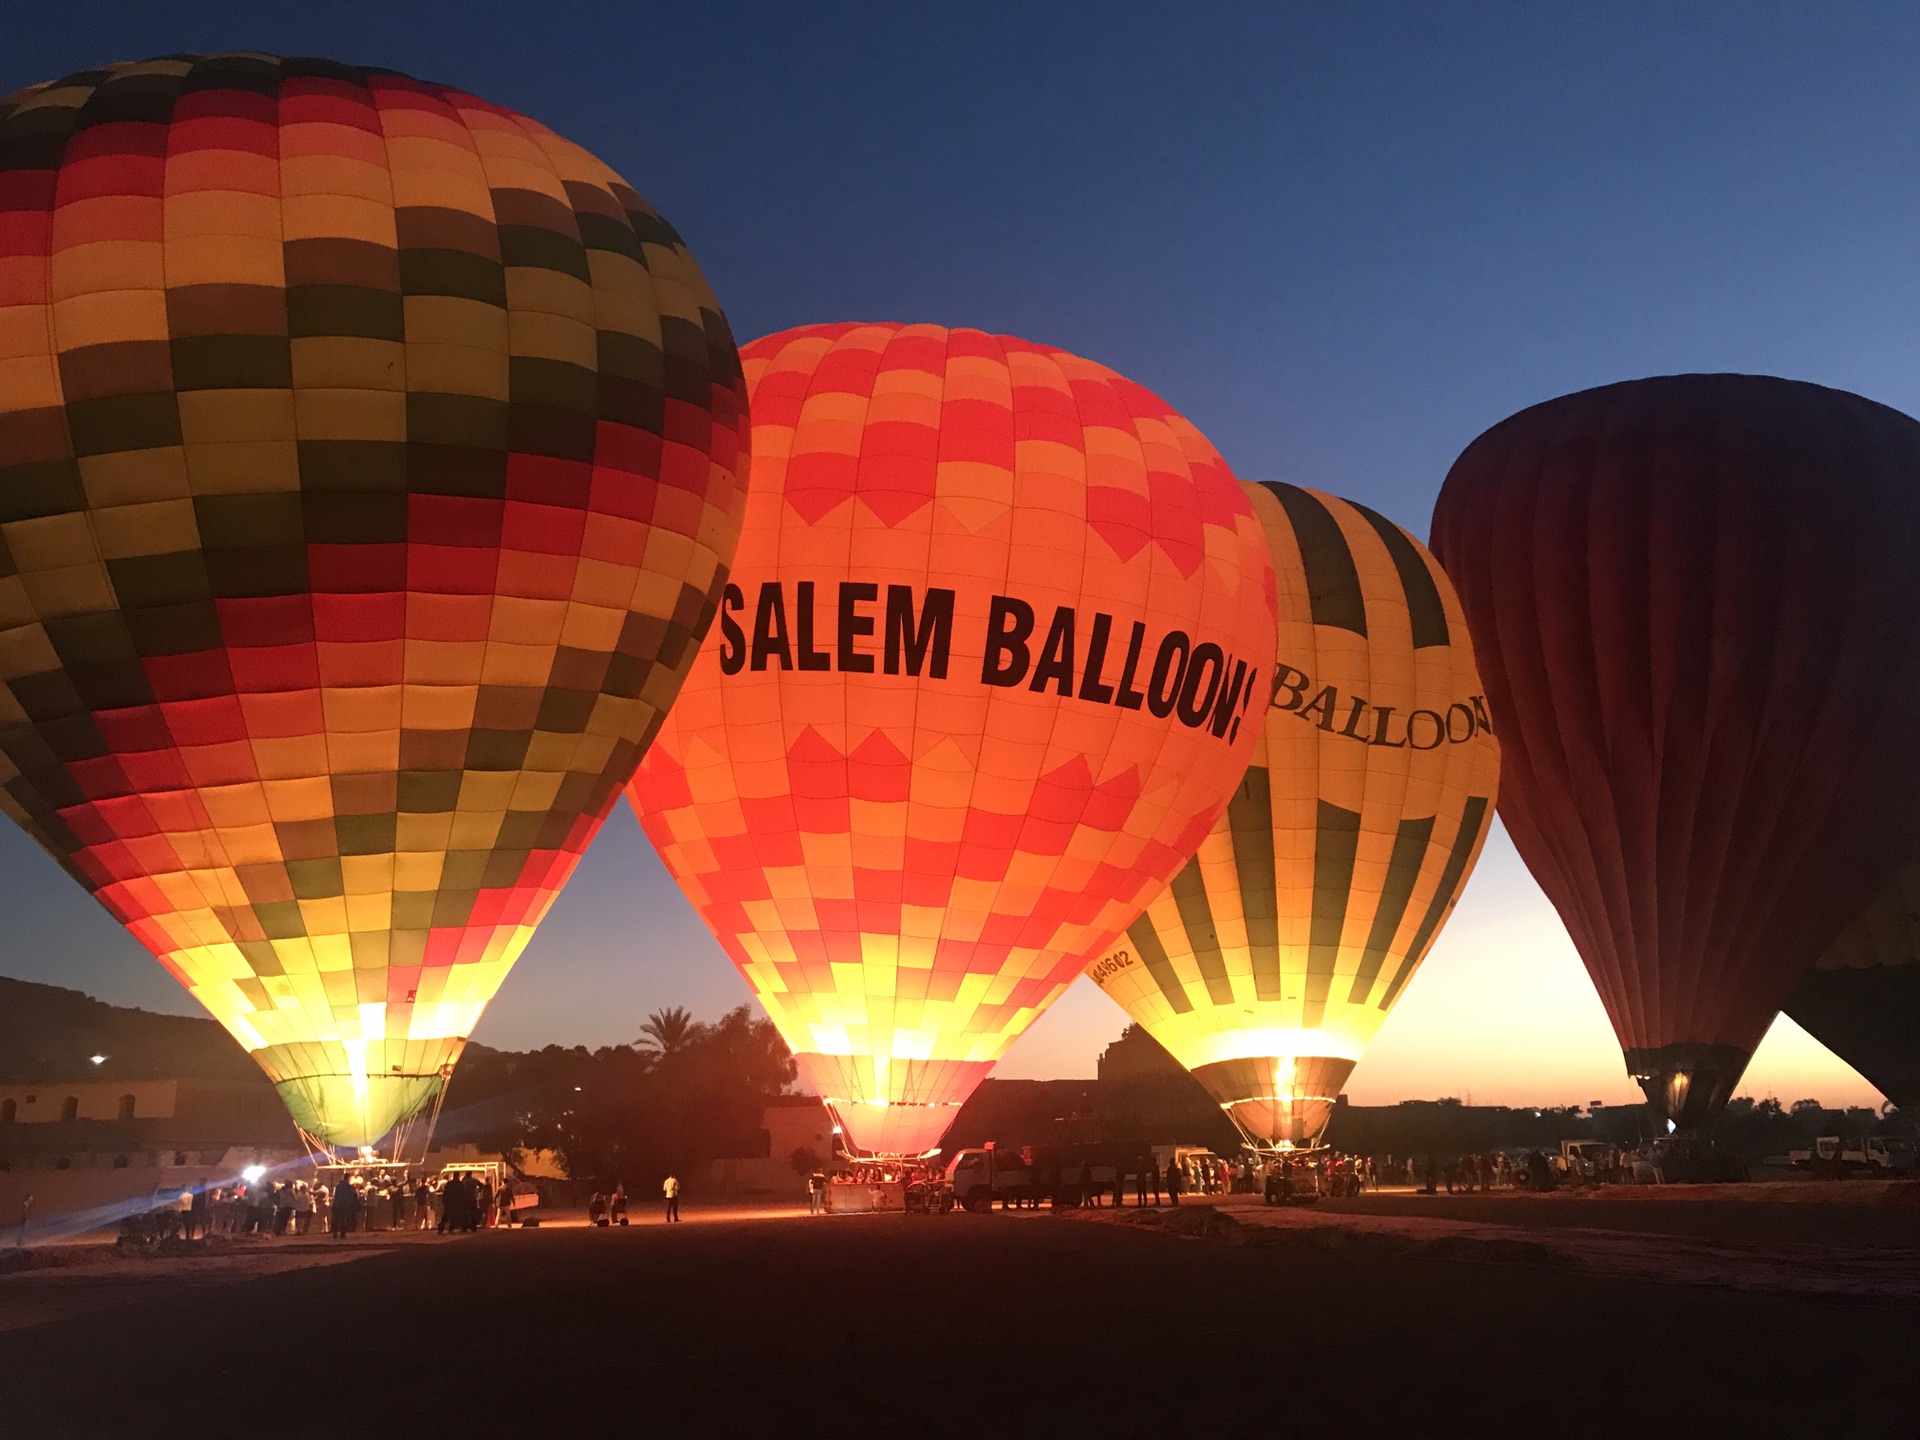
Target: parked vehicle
1061 1175
1583 1161
1669 1161
1835 1156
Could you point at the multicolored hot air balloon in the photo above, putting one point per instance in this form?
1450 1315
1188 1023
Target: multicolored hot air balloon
1862 998
1271 960
370 462
1692 599
982 681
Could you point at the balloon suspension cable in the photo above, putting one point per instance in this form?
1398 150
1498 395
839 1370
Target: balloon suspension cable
433 1111
403 1132
319 1154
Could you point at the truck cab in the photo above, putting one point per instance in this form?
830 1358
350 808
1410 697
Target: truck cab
978 1177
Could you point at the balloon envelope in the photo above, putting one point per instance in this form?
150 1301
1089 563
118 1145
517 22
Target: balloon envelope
369 463
1692 599
997 617
1271 960
1862 998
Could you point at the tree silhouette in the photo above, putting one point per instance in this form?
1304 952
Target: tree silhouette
669 1032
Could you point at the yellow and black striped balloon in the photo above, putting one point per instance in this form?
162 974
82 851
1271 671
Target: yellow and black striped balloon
1862 997
1270 961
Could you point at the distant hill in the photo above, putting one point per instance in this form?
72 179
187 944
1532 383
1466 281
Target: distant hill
48 1034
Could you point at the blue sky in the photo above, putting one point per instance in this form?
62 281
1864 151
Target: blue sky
1343 239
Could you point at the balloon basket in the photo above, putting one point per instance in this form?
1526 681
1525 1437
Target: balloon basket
889 1184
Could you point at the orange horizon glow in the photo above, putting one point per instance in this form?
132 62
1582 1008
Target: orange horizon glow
1501 1013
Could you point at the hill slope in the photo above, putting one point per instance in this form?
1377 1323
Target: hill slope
48 1033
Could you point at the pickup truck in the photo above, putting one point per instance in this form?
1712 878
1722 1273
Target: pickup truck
1871 1155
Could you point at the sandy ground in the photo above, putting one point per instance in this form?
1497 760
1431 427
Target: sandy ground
1705 1244
1110 1324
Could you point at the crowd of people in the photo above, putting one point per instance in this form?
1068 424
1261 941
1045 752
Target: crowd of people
343 1203
1281 1178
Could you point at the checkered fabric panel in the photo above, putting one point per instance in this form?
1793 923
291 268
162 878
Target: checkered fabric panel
1291 933
909 860
370 462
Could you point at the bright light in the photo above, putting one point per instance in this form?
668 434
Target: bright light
98 1059
253 1173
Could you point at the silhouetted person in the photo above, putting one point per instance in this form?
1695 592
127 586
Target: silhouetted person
1173 1182
617 1205
1539 1172
456 1200
346 1210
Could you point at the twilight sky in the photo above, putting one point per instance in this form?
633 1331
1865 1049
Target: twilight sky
1342 243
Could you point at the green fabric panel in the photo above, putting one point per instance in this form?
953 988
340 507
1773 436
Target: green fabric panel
1336 840
1333 581
1424 605
1250 820
1410 843
1196 917
1472 821
1153 955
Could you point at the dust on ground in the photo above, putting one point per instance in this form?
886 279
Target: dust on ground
1543 1230
1009 1325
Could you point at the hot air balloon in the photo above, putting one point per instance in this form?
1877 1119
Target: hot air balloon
1862 998
997 620
1692 601
1271 960
370 461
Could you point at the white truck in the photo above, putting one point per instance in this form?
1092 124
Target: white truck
1061 1175
1870 1154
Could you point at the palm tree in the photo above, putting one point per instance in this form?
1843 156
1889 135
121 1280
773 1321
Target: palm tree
668 1032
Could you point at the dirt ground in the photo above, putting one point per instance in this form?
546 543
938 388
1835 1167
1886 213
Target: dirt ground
1112 1324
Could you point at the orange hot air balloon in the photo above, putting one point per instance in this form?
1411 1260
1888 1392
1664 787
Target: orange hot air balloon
369 466
982 684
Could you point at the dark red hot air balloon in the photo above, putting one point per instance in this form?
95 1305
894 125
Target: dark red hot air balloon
1693 600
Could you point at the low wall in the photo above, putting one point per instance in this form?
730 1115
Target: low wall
859 1197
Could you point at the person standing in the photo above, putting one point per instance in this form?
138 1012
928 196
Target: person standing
816 1193
346 1203
1173 1182
197 1213
451 1192
670 1190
